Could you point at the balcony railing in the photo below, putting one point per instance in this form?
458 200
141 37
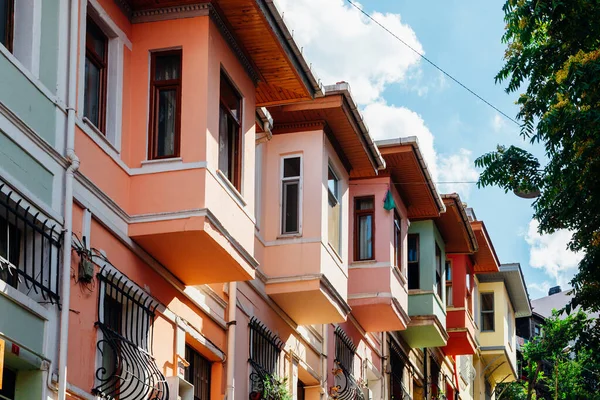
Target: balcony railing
29 249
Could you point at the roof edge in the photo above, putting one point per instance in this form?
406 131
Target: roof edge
375 156
275 20
464 217
414 142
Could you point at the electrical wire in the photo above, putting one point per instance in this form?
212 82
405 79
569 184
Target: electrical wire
432 63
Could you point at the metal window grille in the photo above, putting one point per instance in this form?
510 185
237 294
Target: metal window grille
125 320
29 250
434 376
198 373
346 387
265 348
398 362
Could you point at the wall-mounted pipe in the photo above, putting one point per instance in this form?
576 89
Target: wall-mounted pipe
68 200
231 322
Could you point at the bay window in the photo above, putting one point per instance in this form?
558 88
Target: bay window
364 210
165 104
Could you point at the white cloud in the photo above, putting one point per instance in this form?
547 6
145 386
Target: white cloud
391 122
550 254
458 168
346 46
498 123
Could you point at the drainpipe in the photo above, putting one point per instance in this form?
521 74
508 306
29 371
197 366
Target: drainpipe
324 356
68 200
231 322
425 373
385 365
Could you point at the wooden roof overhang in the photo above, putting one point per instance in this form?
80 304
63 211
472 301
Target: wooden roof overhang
258 36
485 259
406 167
455 228
337 115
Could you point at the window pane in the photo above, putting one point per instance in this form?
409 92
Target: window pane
96 39
223 142
91 106
290 207
332 183
364 204
413 248
413 276
448 295
9 383
448 271
334 222
167 111
198 373
233 149
167 67
230 97
291 167
487 321
5 14
487 302
365 237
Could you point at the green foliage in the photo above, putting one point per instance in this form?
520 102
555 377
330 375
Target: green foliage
275 388
553 53
561 362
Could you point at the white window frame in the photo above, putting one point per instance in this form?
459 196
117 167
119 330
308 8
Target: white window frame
331 167
493 311
300 193
114 87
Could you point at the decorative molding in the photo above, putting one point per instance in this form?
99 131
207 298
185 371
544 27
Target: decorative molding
300 126
172 12
125 7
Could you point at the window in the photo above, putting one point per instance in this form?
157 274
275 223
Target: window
469 292
300 390
29 250
344 350
165 104
265 348
413 261
7 17
96 72
364 225
434 370
537 330
487 311
291 176
449 300
398 362
438 271
198 373
230 132
334 211
9 384
397 240
510 324
125 336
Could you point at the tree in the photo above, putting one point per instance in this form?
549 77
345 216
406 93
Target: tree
559 364
553 51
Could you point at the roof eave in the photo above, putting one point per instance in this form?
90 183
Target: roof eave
465 219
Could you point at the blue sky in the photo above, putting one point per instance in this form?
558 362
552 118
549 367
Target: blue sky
401 95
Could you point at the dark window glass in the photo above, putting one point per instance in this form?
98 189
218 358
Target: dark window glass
230 132
94 99
413 261
165 104
7 23
487 311
448 283
10 249
9 382
290 218
300 395
438 270
397 240
198 373
364 209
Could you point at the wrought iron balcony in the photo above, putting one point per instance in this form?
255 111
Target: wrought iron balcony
29 249
126 322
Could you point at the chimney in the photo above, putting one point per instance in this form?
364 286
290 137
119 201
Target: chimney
554 290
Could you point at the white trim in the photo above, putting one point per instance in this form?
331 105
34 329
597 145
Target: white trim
282 179
27 34
152 167
24 301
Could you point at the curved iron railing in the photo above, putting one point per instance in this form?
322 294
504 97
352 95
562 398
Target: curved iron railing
126 321
265 348
347 388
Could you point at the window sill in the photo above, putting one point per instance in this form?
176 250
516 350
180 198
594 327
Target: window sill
97 135
163 161
289 235
334 251
230 188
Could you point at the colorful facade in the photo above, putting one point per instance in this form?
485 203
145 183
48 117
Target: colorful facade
187 213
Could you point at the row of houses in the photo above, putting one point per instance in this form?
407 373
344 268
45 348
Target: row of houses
187 213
